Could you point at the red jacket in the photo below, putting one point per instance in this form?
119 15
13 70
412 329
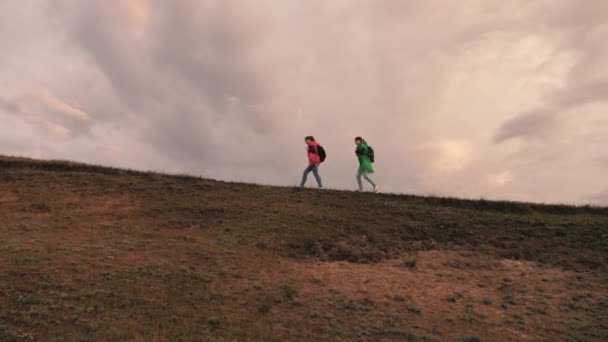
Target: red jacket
313 153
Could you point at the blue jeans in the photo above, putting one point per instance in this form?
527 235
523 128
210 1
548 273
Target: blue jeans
367 178
315 171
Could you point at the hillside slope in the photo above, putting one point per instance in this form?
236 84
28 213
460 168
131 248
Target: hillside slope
92 253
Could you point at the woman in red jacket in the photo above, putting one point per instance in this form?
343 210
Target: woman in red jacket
312 148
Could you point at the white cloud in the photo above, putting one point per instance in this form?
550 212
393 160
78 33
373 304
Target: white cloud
500 179
446 157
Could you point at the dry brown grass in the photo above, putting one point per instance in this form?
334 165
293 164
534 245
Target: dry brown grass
89 253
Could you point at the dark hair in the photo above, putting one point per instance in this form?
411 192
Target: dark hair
310 137
358 139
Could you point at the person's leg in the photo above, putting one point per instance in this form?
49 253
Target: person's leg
369 179
305 175
315 171
359 174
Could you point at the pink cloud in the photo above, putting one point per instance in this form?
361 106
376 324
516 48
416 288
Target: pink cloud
114 151
59 106
137 11
55 130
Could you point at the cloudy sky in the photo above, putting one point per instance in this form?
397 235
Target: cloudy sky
473 98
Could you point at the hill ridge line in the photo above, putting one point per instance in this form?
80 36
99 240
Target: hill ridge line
12 162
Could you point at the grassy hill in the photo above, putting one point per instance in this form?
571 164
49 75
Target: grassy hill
93 253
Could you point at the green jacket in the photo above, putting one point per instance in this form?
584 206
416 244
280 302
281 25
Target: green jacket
365 164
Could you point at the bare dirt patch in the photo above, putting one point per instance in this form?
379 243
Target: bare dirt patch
482 296
7 196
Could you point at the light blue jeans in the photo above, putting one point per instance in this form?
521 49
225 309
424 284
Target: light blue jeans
367 178
315 171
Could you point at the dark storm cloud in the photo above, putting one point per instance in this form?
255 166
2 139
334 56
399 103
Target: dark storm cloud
583 31
543 121
9 106
527 124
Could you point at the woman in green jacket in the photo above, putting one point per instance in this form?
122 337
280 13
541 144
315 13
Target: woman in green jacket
363 153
